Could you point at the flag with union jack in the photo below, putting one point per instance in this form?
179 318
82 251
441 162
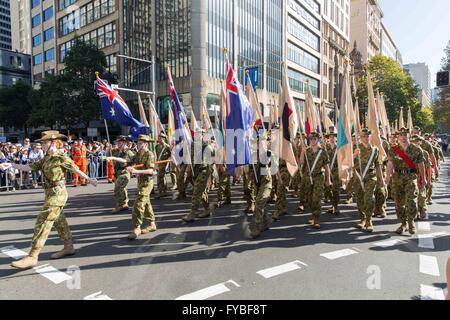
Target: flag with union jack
114 108
239 120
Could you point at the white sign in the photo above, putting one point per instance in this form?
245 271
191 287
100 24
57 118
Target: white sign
92 132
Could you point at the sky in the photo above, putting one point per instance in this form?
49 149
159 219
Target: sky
420 29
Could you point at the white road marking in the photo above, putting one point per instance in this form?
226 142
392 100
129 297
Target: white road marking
275 271
429 265
389 243
424 226
14 253
52 274
338 254
97 296
209 292
431 293
427 240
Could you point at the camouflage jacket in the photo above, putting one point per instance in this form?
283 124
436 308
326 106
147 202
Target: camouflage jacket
331 153
321 162
364 156
163 152
120 168
147 160
413 152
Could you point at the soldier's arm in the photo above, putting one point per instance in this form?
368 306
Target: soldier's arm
328 175
390 170
380 176
120 160
421 167
302 157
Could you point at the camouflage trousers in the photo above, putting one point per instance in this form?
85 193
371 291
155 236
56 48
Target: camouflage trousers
365 198
184 176
200 192
281 190
335 189
161 179
430 188
296 180
422 199
173 175
406 194
314 193
120 190
142 206
302 189
224 190
249 189
380 200
262 195
48 217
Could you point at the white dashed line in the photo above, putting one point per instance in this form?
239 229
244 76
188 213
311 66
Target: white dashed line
429 265
389 243
46 270
97 296
209 292
275 271
338 254
431 293
52 274
424 226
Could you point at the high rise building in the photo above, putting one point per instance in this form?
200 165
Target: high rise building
388 46
21 28
5 25
421 74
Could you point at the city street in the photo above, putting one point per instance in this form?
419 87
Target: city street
212 259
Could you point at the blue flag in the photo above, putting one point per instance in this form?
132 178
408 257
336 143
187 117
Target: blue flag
114 108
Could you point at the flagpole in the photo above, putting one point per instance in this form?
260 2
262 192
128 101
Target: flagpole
107 132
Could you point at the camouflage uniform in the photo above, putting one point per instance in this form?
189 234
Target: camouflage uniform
122 177
382 193
53 168
335 188
422 197
314 190
224 190
281 189
142 205
298 175
365 197
249 189
163 153
405 185
428 147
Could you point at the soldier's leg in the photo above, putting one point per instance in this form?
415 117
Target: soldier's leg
181 182
173 177
411 193
249 193
400 202
369 203
281 203
62 227
317 198
120 190
359 192
302 193
138 210
422 202
335 190
260 221
380 202
161 180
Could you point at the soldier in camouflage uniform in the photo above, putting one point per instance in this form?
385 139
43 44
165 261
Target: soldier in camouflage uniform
224 187
261 179
163 153
335 188
435 175
382 193
54 167
367 157
303 173
422 197
202 171
283 179
121 174
249 189
316 159
405 180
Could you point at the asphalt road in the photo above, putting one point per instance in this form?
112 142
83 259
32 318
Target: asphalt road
212 259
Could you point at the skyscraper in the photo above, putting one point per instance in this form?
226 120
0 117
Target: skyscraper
5 25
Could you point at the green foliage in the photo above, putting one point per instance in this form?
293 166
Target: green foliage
441 109
424 119
15 106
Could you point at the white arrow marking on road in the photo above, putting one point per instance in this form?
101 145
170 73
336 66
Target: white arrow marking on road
275 271
424 226
209 292
52 274
338 254
389 243
429 265
431 293
97 296
14 253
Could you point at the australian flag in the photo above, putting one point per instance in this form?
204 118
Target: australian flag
115 109
239 119
181 125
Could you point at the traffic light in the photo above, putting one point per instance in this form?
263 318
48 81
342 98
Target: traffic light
443 78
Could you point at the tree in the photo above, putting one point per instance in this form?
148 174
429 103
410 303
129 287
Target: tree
425 120
15 106
441 110
397 86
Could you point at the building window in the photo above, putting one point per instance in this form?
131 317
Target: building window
297 82
302 33
65 3
49 34
49 54
301 11
37 40
37 59
303 58
48 13
35 3
36 20
111 62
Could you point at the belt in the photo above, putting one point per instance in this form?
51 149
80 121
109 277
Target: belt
407 171
317 174
49 185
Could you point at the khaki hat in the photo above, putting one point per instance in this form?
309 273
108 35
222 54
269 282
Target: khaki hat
122 138
145 138
314 134
51 135
365 132
162 135
416 138
403 130
331 134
